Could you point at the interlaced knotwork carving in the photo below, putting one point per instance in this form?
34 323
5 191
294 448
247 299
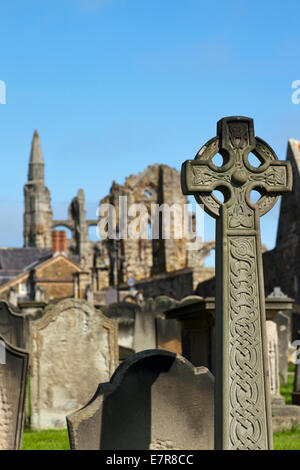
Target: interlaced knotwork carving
243 414
247 430
240 214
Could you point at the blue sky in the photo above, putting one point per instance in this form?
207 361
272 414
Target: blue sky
115 85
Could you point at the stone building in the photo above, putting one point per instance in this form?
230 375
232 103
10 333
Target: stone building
38 213
112 262
38 274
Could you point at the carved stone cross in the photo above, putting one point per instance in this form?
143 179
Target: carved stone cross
242 401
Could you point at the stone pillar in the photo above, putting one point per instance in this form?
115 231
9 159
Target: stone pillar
81 282
273 358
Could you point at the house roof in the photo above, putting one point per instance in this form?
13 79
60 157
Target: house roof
16 261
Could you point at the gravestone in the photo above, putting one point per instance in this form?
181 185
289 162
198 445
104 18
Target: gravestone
168 335
13 326
13 380
283 322
142 323
243 408
197 318
73 346
147 330
155 400
296 389
273 357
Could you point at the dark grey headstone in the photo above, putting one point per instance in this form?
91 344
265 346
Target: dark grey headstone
295 325
13 378
155 400
13 326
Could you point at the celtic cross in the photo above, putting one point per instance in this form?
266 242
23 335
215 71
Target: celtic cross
242 401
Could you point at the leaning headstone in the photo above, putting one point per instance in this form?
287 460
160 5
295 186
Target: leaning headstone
73 346
243 408
13 380
155 400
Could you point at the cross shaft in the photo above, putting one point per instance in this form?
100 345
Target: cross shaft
242 398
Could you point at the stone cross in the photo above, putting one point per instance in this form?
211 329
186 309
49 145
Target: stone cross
242 398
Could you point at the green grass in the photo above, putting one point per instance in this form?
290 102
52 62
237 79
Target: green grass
287 440
58 440
51 439
287 389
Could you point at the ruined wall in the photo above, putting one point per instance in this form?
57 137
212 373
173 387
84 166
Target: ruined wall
282 264
142 258
138 258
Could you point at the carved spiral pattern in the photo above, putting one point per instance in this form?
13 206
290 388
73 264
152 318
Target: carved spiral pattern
246 387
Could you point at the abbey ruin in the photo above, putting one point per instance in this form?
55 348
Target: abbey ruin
141 259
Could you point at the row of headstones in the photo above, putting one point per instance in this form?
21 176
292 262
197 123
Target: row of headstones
74 347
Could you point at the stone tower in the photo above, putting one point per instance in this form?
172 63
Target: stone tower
287 249
38 213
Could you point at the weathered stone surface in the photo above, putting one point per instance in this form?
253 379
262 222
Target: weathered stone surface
73 346
197 318
243 420
273 357
13 326
38 212
283 323
13 380
145 336
168 335
141 258
155 400
142 323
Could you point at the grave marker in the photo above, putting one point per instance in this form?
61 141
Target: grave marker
155 400
243 411
13 326
13 380
73 346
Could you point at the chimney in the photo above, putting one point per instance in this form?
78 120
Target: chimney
55 242
62 241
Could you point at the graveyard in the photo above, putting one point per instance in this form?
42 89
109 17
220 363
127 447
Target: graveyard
158 309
